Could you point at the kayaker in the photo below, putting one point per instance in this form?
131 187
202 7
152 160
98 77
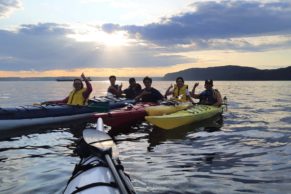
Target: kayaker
78 96
179 91
133 89
149 94
209 96
114 89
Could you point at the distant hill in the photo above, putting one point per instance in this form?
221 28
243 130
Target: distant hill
231 72
65 79
70 78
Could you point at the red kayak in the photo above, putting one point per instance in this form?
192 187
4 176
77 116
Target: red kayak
125 116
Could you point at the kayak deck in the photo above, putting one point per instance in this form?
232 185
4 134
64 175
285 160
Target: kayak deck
165 109
125 116
184 117
99 170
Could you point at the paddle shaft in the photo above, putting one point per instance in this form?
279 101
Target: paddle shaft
125 180
110 162
115 174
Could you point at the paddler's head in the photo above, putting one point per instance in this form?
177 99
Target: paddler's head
180 82
147 81
78 84
208 84
132 82
112 79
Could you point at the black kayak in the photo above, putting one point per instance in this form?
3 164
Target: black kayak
38 115
112 102
23 117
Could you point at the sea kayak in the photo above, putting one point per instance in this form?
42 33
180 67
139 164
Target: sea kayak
166 109
184 117
99 170
125 116
112 102
37 115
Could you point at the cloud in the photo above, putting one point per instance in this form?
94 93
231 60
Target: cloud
225 25
45 29
110 27
216 20
48 46
8 6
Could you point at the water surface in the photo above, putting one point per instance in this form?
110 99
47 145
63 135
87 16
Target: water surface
249 151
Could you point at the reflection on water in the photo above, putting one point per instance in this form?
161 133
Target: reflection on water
248 151
158 136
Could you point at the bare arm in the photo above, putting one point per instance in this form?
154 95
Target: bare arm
188 93
168 92
141 95
193 91
119 91
218 98
64 101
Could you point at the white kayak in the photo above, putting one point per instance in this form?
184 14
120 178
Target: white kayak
97 172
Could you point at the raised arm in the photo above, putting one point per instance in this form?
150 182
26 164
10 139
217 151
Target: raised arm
193 91
119 91
89 89
188 94
168 92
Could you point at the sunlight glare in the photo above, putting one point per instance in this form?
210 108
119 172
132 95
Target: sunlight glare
114 39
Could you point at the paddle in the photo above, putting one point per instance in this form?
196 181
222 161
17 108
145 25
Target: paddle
103 142
225 102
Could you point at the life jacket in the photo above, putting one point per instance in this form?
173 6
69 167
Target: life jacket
76 97
181 92
208 97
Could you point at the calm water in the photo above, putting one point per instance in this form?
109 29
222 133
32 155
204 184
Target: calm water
249 153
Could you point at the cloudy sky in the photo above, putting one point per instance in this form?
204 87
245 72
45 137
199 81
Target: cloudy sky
138 38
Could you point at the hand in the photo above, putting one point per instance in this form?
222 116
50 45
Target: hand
83 76
196 84
171 86
112 88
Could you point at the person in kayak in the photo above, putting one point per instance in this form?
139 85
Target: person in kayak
78 96
179 91
133 89
149 94
114 89
209 96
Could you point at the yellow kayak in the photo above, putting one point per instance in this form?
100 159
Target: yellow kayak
184 117
166 109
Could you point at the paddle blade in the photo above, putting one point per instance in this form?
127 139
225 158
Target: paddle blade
97 139
100 126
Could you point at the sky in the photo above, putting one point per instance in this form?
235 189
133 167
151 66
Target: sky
140 38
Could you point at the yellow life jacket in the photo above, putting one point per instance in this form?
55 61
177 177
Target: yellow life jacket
180 94
76 97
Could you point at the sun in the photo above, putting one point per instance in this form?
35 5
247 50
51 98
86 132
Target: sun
114 39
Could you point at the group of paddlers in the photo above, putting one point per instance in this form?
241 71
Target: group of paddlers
179 92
